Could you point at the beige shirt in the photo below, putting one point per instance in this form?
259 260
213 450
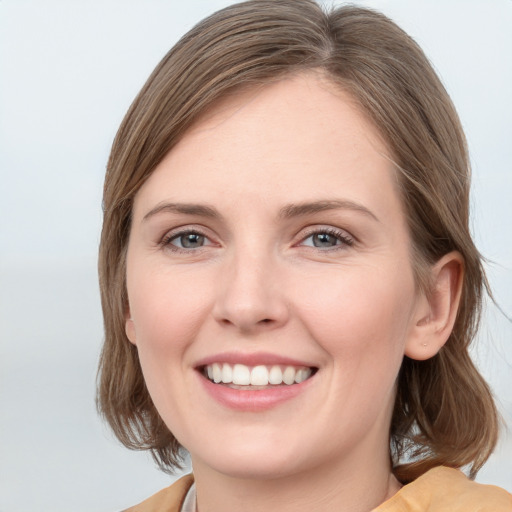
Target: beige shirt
439 490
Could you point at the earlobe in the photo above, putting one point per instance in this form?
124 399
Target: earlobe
129 329
436 311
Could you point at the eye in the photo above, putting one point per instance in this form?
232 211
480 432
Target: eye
185 240
327 239
188 241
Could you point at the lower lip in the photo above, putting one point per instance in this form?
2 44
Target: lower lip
253 401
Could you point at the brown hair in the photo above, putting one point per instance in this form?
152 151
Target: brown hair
444 413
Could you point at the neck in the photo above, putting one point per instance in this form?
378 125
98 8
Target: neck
350 487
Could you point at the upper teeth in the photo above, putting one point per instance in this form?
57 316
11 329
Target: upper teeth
242 375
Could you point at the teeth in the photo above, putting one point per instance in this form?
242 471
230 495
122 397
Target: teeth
302 374
227 373
289 375
275 376
261 375
217 373
241 375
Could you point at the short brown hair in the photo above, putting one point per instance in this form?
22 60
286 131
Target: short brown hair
444 412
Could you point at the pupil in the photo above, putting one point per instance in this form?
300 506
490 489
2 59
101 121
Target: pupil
192 240
324 240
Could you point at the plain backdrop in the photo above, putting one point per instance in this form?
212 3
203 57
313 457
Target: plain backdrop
68 71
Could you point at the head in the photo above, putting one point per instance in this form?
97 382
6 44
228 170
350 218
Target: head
366 57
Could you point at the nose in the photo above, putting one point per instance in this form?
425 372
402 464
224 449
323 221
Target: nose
250 296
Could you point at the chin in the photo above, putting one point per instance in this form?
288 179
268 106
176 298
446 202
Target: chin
256 470
253 461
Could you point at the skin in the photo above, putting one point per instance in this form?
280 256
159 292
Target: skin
257 283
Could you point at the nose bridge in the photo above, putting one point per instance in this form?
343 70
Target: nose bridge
249 295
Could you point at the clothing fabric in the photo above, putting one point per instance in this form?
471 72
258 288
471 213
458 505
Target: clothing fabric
447 490
169 499
439 490
189 503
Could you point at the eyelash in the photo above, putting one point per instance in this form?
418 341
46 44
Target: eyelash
341 236
170 237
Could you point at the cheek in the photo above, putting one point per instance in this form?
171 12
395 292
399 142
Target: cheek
167 310
167 313
360 315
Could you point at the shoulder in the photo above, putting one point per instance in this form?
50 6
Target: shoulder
169 499
447 490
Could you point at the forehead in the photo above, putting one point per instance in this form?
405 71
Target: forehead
301 110
302 136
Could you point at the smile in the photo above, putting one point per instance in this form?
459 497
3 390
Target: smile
250 377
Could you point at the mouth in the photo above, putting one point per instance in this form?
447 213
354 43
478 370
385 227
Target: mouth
253 378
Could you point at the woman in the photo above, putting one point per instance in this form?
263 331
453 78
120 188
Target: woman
288 281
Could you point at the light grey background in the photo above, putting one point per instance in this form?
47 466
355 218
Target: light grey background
68 71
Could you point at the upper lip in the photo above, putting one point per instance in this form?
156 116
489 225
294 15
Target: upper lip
254 359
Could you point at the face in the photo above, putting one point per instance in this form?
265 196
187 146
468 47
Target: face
271 296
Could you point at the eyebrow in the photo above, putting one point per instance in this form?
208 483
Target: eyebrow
185 208
296 210
287 212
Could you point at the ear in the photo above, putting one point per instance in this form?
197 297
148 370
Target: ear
129 326
436 311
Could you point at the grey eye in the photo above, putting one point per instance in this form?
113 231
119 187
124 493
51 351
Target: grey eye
324 240
189 241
